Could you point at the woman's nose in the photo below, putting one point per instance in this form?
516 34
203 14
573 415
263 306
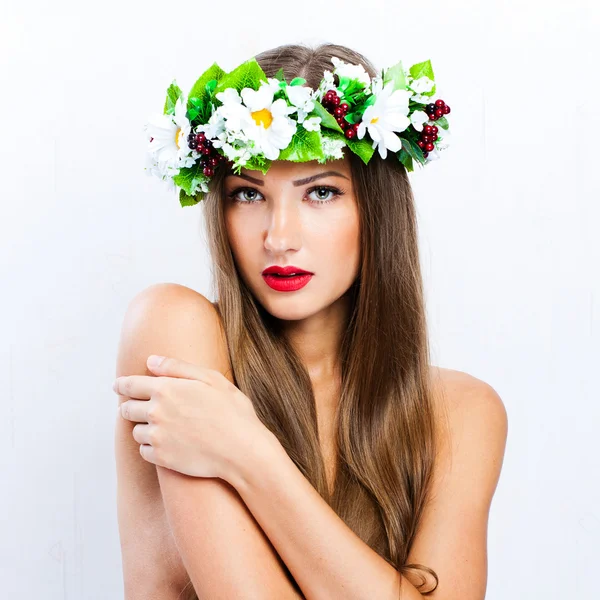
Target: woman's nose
283 228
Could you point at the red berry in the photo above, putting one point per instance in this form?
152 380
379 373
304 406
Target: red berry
428 129
420 143
201 137
214 161
331 93
204 150
425 154
429 147
439 112
338 112
208 171
430 108
434 128
345 107
440 103
426 138
336 101
350 133
446 109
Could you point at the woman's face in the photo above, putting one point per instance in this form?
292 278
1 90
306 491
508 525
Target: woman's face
299 214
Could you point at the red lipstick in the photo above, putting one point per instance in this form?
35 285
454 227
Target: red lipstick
286 279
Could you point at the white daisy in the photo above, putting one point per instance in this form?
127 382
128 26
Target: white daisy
269 128
388 114
168 137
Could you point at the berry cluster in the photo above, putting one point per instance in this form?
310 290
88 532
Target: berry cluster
430 132
211 157
428 136
437 110
334 105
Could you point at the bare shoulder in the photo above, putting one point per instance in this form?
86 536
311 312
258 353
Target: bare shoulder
170 319
452 534
473 423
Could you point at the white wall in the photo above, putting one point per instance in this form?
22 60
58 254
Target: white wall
509 222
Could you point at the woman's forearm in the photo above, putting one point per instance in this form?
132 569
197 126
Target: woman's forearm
326 558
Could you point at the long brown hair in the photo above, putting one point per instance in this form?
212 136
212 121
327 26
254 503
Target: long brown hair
386 416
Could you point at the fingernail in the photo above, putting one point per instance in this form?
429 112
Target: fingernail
154 361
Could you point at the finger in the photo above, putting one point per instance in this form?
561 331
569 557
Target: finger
150 454
141 433
173 367
137 411
136 386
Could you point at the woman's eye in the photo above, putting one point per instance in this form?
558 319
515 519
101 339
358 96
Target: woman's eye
244 195
323 194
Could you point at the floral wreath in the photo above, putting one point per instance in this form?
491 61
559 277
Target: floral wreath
245 119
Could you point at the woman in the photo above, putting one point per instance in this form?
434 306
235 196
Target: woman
349 467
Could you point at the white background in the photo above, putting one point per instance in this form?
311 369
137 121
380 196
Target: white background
509 219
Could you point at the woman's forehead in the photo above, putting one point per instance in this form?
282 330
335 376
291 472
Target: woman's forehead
297 171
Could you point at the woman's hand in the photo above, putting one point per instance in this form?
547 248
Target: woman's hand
190 419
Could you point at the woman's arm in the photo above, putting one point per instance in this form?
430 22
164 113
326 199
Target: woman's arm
224 550
152 565
328 560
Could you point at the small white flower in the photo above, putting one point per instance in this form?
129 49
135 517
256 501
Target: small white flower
325 85
343 69
418 118
312 124
302 98
422 84
332 147
387 115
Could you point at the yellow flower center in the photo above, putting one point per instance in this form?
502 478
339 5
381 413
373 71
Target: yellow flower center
374 120
178 136
263 117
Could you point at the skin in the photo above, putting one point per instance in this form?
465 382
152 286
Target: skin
273 219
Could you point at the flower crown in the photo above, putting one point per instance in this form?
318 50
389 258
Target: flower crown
245 119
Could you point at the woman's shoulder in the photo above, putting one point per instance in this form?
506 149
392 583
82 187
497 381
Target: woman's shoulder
182 321
467 408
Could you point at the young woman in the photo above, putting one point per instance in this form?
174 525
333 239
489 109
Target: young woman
297 442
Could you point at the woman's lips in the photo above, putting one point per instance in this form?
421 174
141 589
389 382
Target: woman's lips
287 284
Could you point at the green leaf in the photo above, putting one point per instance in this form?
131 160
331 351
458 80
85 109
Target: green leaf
279 75
396 76
297 81
247 75
327 119
186 200
203 88
364 148
442 122
413 150
188 178
258 163
423 69
173 93
305 146
405 159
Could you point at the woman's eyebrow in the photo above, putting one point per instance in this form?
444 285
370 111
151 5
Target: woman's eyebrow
295 183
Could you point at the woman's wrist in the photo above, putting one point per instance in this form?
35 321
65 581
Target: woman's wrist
253 456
